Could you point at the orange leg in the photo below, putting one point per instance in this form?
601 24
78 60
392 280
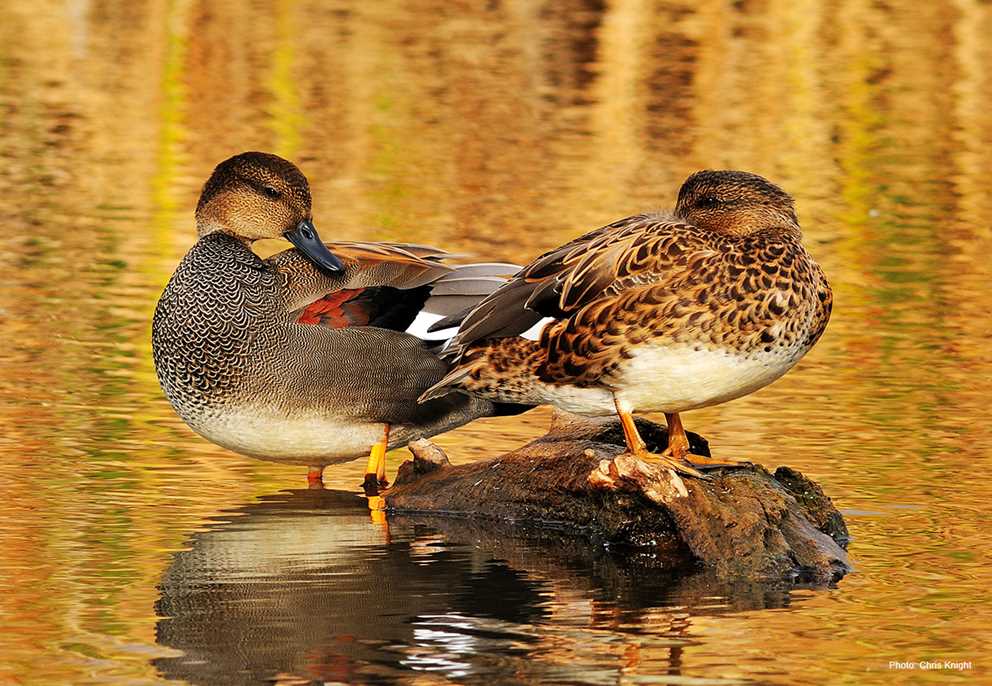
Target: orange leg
375 471
380 471
635 444
678 442
315 477
636 447
678 447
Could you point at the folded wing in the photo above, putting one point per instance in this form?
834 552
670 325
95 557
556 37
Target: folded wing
386 285
638 251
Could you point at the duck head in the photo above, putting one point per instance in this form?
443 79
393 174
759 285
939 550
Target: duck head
735 203
256 195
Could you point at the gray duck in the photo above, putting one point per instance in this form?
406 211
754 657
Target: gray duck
303 357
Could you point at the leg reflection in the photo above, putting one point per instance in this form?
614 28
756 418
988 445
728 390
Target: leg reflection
315 477
377 513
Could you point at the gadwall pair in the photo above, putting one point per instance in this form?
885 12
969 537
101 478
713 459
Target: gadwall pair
302 357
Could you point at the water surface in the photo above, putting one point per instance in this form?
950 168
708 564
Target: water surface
134 552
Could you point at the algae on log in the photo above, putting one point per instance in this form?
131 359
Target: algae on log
743 523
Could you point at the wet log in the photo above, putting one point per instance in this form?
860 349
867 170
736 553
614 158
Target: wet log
742 523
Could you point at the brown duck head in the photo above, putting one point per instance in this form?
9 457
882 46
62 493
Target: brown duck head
257 195
735 203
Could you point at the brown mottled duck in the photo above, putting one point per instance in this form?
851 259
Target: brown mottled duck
663 312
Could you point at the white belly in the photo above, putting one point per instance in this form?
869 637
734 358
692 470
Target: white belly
594 401
314 440
662 379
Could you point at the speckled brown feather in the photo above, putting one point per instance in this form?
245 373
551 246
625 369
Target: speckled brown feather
676 283
738 280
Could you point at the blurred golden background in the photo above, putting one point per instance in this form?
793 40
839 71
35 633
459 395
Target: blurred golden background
498 130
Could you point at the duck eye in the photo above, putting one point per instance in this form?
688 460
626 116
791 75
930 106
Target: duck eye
270 192
708 201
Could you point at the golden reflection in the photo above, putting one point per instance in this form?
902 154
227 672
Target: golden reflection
298 586
498 130
377 511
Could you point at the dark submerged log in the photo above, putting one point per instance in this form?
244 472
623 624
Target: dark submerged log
743 524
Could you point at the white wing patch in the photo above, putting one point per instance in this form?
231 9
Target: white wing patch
425 319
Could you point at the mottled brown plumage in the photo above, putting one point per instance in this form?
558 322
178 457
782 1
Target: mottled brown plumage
655 312
286 360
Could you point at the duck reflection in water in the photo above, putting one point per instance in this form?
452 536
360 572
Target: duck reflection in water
300 588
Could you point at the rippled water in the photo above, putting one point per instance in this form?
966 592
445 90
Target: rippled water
134 552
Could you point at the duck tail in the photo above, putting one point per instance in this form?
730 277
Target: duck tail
449 384
503 370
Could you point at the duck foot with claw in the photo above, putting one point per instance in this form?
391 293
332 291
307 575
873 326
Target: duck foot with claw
637 448
679 451
679 466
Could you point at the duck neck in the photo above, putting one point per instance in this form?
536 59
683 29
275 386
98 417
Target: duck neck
209 228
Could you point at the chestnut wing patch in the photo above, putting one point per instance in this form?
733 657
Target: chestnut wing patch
381 306
330 310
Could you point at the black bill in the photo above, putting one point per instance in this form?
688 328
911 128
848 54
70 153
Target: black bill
308 242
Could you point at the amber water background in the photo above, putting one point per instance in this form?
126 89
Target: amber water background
132 552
